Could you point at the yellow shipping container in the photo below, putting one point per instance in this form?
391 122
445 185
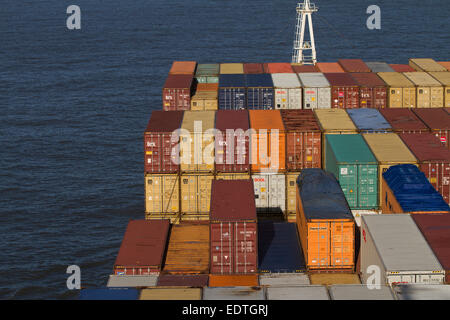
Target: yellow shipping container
197 141
233 176
427 65
204 100
389 150
195 196
430 92
291 196
444 79
334 121
231 68
328 279
162 194
401 91
170 293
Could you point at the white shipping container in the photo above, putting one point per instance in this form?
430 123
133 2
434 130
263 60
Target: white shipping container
288 91
297 293
422 292
233 293
393 247
284 279
132 281
357 214
360 292
316 91
270 192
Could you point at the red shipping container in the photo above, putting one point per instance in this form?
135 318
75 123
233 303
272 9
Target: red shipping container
252 68
282 67
438 120
353 65
436 230
404 121
142 248
402 68
344 90
233 227
158 145
303 139
304 68
183 280
433 158
372 90
177 92
238 121
447 110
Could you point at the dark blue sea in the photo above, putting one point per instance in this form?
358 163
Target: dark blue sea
74 105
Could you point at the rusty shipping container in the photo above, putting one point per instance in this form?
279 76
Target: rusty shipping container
426 65
433 158
142 248
195 196
233 228
253 68
404 121
162 195
438 120
183 280
304 68
325 223
402 68
436 230
159 147
232 145
197 141
372 90
429 93
177 92
444 79
303 139
267 141
353 65
401 91
279 67
235 280
183 67
188 250
344 90
329 67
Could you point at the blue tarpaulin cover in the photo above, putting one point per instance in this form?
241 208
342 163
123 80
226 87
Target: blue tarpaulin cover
369 119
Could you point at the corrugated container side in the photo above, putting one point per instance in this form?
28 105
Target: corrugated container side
353 65
329 67
316 91
241 292
329 279
207 73
404 121
281 67
233 176
232 92
183 67
195 195
325 223
260 91
444 79
253 68
208 87
430 92
372 90
177 92
427 65
433 158
402 68
270 194
304 68
438 120
236 280
142 248
162 194
171 294
175 280
401 91
344 90
379 67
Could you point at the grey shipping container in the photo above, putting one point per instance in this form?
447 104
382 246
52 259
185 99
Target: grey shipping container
394 244
316 90
288 91
270 193
234 293
422 292
379 67
360 292
297 293
132 281
284 279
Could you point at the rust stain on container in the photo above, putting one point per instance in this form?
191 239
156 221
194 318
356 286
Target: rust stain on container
142 248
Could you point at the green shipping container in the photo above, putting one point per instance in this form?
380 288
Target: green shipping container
349 158
207 73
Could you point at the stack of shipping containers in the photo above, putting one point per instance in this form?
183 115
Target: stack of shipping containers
429 91
444 79
179 86
401 91
426 65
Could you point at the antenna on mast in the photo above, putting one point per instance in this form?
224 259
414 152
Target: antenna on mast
304 11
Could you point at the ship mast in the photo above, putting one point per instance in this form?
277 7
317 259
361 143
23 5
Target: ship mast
304 11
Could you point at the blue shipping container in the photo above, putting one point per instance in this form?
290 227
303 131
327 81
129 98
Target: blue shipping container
322 196
279 248
232 92
369 120
109 294
260 91
412 189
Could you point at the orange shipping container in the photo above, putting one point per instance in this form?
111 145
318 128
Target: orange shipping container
183 67
208 87
247 280
279 68
188 250
329 67
445 64
265 124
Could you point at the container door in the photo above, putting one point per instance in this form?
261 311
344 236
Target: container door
352 97
409 98
204 193
206 154
405 278
312 154
261 187
189 193
277 196
423 97
396 97
318 244
324 98
295 98
342 244
245 248
439 176
153 152
170 194
310 98
348 179
367 186
295 151
281 99
380 98
291 192
153 194
366 95
222 247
